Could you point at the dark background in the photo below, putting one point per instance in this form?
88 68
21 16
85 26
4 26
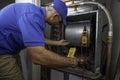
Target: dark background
5 2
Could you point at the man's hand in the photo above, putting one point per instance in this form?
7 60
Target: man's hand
74 61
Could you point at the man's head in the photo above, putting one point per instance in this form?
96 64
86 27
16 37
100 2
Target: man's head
56 12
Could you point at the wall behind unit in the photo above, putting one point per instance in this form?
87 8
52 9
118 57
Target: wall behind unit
3 3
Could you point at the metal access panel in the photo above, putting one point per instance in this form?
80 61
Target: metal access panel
89 53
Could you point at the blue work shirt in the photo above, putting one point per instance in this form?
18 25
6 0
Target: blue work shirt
21 25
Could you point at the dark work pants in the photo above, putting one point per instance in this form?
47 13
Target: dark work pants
10 68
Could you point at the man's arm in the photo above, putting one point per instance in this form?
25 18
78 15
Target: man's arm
58 43
42 56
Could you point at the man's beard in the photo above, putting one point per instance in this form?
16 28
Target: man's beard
49 23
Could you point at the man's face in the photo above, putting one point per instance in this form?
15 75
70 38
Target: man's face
54 20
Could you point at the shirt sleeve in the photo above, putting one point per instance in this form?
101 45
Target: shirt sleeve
31 26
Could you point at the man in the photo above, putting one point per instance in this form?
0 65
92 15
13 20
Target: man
22 26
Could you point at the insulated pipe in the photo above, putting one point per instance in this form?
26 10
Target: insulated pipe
110 32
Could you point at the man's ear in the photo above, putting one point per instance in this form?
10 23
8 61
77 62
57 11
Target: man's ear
54 15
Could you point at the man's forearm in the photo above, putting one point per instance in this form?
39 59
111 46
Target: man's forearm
50 42
61 42
42 56
54 60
